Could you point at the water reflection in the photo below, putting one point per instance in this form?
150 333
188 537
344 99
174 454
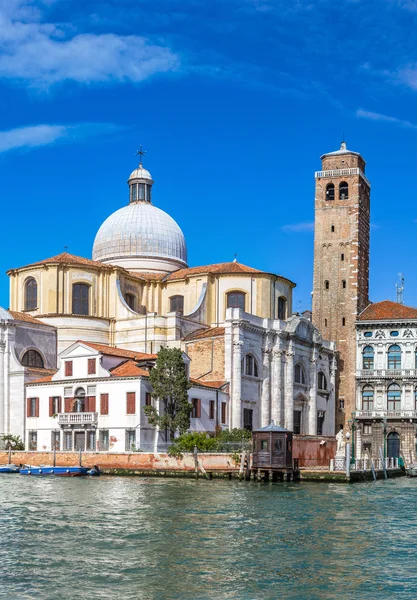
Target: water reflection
159 539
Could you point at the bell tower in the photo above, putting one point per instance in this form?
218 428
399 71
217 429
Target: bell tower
341 262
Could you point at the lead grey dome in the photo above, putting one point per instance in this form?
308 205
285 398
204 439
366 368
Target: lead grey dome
140 230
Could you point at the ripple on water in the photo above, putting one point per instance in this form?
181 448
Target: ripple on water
135 538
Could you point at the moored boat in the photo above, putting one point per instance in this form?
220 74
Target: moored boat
51 470
11 468
411 471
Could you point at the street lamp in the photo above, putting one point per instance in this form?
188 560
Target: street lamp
352 460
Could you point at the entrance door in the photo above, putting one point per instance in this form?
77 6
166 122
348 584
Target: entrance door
393 445
79 440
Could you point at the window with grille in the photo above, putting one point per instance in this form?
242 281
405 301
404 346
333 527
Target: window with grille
33 440
31 294
130 440
80 299
67 440
55 440
104 439
91 439
32 358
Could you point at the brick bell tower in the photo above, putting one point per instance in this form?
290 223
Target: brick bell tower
341 263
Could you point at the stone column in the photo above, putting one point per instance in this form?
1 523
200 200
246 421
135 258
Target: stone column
2 382
312 413
266 388
277 408
236 408
289 388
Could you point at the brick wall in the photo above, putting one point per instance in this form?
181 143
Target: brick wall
207 358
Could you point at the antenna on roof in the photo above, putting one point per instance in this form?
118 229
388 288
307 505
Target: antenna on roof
400 289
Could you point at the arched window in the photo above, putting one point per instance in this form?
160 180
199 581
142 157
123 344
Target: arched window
367 397
282 308
79 400
322 381
394 357
299 375
32 358
236 300
250 366
368 358
326 285
176 304
31 294
130 300
330 191
343 191
80 299
394 397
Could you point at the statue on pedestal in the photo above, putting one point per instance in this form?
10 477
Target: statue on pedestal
341 444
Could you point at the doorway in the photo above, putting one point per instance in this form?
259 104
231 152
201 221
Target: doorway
393 445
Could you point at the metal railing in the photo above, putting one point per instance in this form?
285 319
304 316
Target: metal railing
340 173
365 464
86 418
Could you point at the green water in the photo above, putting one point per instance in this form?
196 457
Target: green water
134 538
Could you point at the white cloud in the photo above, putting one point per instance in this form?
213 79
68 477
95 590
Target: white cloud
46 53
373 116
299 227
43 135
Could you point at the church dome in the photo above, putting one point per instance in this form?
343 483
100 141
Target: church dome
140 236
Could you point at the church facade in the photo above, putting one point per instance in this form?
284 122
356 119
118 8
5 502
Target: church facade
234 322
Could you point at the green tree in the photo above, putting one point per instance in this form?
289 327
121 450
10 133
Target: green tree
13 441
170 384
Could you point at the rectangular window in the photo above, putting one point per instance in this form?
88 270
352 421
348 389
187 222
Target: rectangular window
320 421
55 440
223 413
79 440
33 440
212 410
91 440
196 408
32 409
247 419
297 421
91 366
367 428
103 440
148 399
54 405
104 404
264 445
130 440
341 404
67 391
68 368
130 403
91 390
67 440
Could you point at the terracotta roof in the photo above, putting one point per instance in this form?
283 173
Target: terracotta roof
227 267
19 316
387 311
41 380
147 276
69 259
129 369
112 351
205 333
209 384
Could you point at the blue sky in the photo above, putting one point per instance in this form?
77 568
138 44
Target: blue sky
234 100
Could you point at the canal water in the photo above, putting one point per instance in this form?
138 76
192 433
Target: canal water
137 538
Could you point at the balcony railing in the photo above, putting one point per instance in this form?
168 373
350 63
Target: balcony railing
388 414
389 373
81 418
341 173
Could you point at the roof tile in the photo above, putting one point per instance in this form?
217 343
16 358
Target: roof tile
113 351
387 311
70 259
205 333
129 369
19 316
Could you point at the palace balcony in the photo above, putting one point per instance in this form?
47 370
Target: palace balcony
79 419
387 374
387 414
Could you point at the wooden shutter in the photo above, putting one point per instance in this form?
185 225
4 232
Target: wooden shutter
68 403
223 412
90 404
59 404
104 404
130 403
198 408
51 406
91 366
28 403
36 407
212 409
68 368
